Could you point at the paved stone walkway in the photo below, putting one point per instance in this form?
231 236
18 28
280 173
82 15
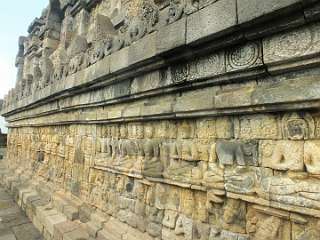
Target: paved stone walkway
14 225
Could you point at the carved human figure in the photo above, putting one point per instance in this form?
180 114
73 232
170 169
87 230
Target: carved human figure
104 149
237 152
46 68
282 155
213 175
97 191
124 161
76 53
184 159
137 151
141 18
61 154
151 166
234 216
176 10
168 133
114 142
311 156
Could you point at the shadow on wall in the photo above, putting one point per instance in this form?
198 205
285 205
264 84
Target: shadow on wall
3 144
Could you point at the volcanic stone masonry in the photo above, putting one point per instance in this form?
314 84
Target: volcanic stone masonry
168 119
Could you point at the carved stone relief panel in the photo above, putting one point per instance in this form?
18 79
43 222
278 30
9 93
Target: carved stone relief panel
243 57
297 44
298 126
282 154
262 224
241 153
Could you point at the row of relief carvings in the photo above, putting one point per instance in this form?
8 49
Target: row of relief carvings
177 213
61 44
184 157
74 51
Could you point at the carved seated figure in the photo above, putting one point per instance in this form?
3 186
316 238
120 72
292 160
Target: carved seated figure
124 162
311 156
213 176
184 163
104 152
114 143
136 149
152 166
60 160
282 155
237 152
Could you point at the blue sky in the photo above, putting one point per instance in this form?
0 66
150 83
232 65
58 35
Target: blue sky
15 18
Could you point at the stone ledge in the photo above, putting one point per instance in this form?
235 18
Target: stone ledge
73 81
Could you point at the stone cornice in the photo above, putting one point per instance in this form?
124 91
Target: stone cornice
131 61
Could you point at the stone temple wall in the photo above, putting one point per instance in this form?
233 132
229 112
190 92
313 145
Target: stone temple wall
158 119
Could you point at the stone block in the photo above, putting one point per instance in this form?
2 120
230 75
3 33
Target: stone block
51 221
241 153
311 156
211 21
149 46
77 234
98 70
146 82
297 44
300 89
237 96
113 230
119 60
44 212
134 234
249 10
244 57
195 100
84 213
258 126
158 105
172 36
93 228
72 213
207 66
61 228
9 236
26 196
282 155
26 232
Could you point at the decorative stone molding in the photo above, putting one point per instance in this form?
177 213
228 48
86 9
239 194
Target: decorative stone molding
168 120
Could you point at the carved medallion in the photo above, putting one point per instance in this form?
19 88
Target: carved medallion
244 56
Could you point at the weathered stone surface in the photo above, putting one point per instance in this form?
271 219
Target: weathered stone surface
251 9
211 21
282 155
165 119
296 45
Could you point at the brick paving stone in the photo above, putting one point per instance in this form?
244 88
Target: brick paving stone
14 225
